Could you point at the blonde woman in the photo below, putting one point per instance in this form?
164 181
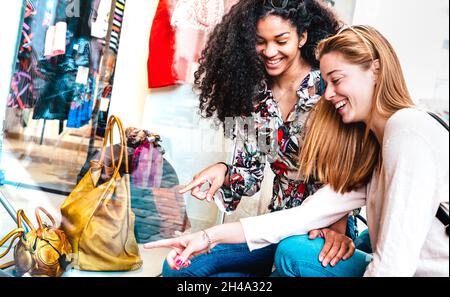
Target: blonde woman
368 141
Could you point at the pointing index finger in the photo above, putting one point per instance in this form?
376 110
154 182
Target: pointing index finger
161 243
192 185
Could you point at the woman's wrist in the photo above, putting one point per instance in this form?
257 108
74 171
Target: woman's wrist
226 167
227 173
213 235
340 226
208 240
230 233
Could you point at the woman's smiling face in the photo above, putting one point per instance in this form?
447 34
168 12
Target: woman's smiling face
277 44
350 87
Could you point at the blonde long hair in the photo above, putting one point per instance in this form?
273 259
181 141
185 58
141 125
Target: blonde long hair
346 155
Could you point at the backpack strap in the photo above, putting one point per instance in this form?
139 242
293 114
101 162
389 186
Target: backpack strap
442 215
439 119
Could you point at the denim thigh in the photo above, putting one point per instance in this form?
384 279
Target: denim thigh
298 256
228 260
362 243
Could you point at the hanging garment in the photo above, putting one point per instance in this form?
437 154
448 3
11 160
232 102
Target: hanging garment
65 85
81 106
193 20
62 65
162 48
147 166
102 115
179 34
55 40
117 25
197 14
21 92
56 91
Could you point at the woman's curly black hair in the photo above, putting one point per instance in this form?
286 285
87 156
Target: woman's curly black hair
230 72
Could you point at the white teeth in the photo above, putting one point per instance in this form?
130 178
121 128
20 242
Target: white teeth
274 62
341 104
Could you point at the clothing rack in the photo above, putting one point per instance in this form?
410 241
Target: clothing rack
61 129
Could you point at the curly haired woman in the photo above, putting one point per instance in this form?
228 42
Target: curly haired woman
259 70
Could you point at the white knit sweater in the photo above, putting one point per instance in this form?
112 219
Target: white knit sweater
407 238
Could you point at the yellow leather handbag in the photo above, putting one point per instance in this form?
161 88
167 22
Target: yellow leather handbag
44 251
98 218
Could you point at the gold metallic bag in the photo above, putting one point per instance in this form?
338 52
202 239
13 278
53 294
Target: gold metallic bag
98 218
44 251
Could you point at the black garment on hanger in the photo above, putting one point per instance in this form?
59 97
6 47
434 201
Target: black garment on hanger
56 76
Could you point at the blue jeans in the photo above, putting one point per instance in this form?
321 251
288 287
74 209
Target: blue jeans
228 260
235 260
298 256
362 243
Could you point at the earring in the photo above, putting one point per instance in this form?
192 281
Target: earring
300 45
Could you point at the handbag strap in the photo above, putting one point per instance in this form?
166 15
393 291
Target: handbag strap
123 146
14 234
112 121
39 219
123 143
442 215
21 215
108 135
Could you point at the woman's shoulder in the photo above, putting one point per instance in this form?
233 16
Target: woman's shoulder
412 119
414 124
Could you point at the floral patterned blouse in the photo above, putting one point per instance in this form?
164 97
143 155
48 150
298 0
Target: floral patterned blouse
265 137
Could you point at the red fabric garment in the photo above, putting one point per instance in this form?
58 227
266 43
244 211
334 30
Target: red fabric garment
179 34
162 48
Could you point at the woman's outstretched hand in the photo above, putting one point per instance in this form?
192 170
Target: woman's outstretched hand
214 175
183 248
337 246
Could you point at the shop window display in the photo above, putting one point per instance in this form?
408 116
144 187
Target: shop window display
61 87
63 79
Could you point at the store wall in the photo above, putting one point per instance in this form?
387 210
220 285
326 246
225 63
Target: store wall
419 33
130 92
345 9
